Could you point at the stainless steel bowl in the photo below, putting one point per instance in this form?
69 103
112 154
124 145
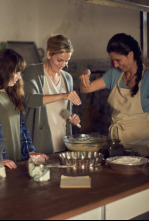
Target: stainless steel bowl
128 164
81 159
85 142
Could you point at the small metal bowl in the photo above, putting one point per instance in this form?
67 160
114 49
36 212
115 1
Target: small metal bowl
128 164
85 142
81 159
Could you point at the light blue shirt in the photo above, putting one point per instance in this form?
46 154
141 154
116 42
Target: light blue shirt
111 77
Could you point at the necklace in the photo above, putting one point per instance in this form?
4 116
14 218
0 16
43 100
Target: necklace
128 80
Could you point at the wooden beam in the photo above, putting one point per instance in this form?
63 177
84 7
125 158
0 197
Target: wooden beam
128 4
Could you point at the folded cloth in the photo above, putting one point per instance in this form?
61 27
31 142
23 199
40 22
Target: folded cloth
75 182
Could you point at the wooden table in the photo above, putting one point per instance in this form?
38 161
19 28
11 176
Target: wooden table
21 198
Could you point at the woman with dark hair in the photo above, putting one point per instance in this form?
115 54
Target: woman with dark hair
128 82
18 143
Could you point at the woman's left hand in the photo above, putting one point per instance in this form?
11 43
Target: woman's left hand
74 119
10 164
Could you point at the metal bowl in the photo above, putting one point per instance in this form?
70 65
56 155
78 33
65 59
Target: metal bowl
128 164
83 171
81 159
85 142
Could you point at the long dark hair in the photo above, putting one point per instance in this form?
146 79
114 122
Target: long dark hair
123 44
10 63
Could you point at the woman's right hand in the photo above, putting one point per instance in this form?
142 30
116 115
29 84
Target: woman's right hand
73 97
85 78
10 164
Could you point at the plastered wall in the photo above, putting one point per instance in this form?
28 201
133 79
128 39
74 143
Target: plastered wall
88 26
18 20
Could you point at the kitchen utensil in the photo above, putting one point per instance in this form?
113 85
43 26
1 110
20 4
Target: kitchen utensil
128 164
81 159
58 166
67 115
84 142
83 171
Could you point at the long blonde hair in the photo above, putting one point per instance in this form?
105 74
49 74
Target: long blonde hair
59 44
10 63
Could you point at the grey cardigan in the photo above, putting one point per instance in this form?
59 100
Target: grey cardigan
36 118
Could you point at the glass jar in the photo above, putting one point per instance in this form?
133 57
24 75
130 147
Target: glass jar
43 174
112 148
37 169
2 167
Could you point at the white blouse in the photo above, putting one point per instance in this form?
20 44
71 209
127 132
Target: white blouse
56 121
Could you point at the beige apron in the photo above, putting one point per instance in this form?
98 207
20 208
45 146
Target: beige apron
129 122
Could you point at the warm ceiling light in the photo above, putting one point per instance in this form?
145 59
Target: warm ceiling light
140 5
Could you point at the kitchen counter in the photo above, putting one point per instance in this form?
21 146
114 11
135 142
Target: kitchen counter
23 198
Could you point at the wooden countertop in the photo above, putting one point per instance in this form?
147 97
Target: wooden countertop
23 198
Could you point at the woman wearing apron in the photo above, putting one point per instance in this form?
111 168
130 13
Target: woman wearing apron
128 82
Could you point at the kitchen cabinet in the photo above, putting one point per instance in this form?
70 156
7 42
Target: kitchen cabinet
124 209
112 196
129 207
95 214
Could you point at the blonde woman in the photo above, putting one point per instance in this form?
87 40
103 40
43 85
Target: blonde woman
48 91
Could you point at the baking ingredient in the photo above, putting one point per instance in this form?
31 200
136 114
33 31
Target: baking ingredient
37 168
42 175
75 182
128 161
34 163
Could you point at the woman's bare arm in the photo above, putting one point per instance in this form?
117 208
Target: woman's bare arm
88 87
71 96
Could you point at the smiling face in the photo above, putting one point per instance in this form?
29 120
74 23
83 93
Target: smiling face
121 61
13 81
58 61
